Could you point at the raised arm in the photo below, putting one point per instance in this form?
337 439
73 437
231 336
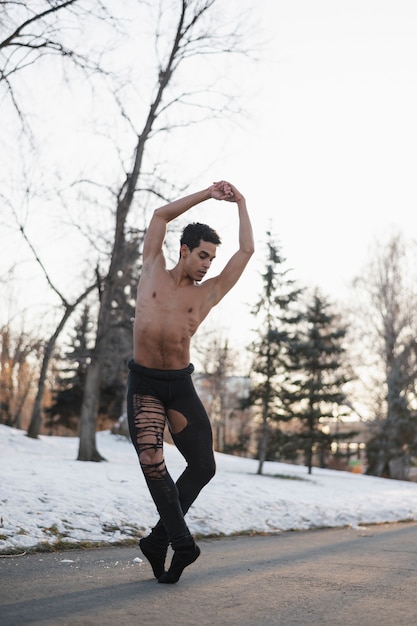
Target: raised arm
246 243
235 266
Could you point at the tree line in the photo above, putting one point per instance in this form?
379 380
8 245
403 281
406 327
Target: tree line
310 365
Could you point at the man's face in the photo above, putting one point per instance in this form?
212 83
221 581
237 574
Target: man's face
198 260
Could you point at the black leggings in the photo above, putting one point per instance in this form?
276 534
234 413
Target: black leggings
152 397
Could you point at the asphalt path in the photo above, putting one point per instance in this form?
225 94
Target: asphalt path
348 577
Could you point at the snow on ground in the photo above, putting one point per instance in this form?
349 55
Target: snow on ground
47 496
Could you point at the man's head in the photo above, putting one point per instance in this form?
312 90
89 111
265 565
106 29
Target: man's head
195 232
198 249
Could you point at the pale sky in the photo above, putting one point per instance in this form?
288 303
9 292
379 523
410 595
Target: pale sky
332 157
328 150
337 148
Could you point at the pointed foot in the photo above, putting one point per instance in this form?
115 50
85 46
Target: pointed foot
183 557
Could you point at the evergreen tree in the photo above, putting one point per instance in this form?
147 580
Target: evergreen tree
67 398
276 316
314 393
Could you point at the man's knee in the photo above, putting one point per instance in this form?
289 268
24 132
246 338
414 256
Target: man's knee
148 457
152 463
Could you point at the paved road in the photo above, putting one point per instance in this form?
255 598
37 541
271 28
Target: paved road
346 577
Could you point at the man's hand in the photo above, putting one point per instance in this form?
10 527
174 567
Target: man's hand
223 190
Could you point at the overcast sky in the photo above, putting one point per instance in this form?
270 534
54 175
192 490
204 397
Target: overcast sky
332 154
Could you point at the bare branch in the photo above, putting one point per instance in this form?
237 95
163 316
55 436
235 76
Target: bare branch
41 265
37 258
38 35
35 18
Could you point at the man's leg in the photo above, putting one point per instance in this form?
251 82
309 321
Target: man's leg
191 432
147 429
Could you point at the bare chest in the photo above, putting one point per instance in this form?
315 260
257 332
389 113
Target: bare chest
163 302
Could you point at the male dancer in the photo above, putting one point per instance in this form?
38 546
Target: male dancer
171 304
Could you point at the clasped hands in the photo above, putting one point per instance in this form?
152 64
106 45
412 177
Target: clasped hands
222 190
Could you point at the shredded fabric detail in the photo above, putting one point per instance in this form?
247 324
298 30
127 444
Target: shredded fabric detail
149 420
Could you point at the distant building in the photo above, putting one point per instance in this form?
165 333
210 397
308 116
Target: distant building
222 398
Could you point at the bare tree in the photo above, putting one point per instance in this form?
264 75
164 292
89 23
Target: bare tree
390 309
31 33
194 35
17 375
217 359
34 30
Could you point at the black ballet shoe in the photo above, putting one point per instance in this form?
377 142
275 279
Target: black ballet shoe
156 556
183 556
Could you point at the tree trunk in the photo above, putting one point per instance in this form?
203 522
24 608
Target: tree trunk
263 443
87 448
36 418
262 446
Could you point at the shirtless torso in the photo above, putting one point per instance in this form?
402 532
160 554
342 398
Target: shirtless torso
167 316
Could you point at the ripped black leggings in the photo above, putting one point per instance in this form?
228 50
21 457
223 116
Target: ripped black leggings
152 397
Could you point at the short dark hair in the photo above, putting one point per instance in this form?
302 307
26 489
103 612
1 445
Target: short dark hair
195 232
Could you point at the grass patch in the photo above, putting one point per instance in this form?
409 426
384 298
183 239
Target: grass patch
53 531
125 528
66 546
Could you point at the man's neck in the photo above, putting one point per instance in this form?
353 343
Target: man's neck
180 277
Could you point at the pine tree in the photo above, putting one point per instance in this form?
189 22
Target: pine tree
65 410
276 316
314 392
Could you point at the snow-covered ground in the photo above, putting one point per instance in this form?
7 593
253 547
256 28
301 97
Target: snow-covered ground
47 496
